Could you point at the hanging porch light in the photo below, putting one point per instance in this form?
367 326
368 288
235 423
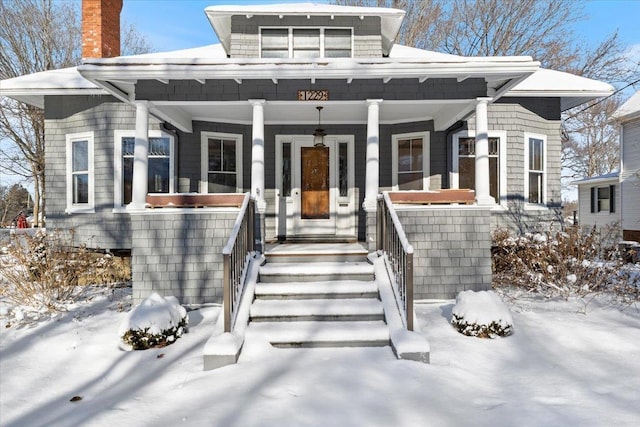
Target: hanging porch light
319 134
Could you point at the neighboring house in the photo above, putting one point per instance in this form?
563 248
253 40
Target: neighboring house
599 201
242 116
628 115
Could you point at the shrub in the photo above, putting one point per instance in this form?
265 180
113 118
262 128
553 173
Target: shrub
481 314
45 269
155 322
575 262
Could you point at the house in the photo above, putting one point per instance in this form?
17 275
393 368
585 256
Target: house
599 201
628 115
316 112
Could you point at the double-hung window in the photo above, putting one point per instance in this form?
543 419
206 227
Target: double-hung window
160 165
221 163
80 174
410 161
306 42
603 199
464 163
535 161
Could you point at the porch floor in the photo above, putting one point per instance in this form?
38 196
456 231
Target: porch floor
314 248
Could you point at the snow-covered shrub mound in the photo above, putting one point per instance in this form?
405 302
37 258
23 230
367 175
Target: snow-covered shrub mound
481 314
156 322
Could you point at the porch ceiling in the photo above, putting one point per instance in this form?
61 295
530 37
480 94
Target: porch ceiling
444 113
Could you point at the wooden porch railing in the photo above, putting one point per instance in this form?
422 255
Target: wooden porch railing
393 242
236 256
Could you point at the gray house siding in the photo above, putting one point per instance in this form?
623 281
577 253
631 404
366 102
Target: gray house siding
245 32
452 249
180 254
537 116
100 115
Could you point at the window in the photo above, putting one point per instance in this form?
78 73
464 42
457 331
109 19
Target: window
221 163
464 163
160 165
411 161
535 160
603 199
80 177
305 43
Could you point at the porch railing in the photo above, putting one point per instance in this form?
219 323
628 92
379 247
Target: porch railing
236 256
394 243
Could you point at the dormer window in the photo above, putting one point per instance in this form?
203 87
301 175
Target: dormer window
306 43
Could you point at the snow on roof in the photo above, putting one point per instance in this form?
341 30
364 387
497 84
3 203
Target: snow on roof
572 89
31 88
220 17
208 51
629 109
613 176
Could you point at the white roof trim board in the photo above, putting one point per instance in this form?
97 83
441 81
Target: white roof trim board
220 17
610 177
573 90
32 88
629 110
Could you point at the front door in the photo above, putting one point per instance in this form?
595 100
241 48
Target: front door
313 188
315 194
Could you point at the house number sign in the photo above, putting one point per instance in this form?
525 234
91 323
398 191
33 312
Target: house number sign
313 95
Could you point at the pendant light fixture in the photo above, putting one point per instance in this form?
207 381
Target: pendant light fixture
318 135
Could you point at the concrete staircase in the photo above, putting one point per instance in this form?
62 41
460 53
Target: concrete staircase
318 295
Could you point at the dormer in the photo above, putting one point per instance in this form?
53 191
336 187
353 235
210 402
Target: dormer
305 30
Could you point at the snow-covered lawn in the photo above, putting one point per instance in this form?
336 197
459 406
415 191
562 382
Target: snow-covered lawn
559 368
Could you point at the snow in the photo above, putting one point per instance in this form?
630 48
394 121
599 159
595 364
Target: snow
560 367
482 308
154 313
629 109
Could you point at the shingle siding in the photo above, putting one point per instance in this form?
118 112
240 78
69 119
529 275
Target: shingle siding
180 254
452 250
77 114
516 120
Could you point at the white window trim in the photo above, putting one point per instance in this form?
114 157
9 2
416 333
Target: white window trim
88 207
426 150
527 204
204 156
118 205
502 161
290 38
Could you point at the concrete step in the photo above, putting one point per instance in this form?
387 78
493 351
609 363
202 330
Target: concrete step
314 252
322 334
355 309
317 290
315 272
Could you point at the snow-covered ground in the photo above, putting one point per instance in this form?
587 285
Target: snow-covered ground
559 368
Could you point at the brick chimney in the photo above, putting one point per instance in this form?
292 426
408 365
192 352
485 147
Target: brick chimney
101 28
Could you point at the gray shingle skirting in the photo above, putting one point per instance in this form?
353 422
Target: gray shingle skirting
452 249
180 253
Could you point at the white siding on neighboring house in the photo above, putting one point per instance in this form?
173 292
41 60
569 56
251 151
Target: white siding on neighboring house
630 175
590 212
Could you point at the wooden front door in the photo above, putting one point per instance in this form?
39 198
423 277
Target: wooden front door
315 184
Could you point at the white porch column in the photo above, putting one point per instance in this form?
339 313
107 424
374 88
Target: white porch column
140 158
372 179
257 154
483 196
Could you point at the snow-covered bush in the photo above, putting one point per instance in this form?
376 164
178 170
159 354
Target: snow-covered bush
481 314
575 262
46 269
155 322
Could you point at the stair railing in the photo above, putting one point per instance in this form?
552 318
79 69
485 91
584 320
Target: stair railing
392 240
236 256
